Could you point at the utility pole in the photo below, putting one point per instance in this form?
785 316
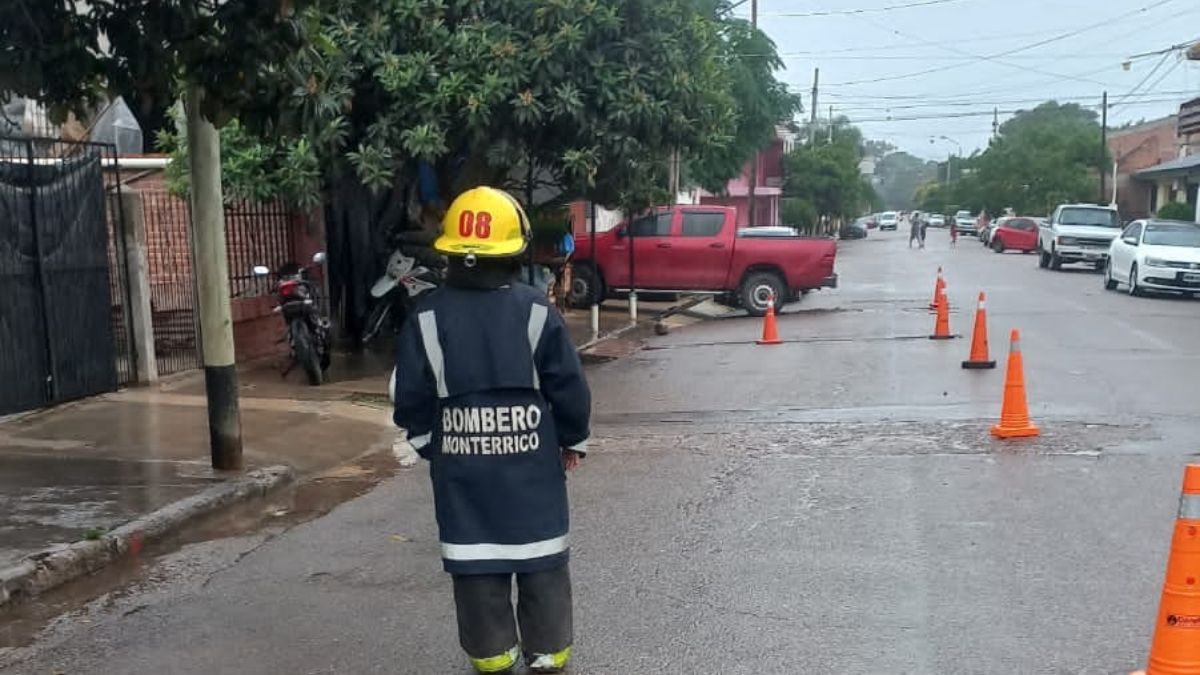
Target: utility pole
996 123
831 125
212 286
812 125
752 202
1103 148
595 275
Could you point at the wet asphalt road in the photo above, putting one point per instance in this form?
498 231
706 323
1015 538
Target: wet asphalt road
830 505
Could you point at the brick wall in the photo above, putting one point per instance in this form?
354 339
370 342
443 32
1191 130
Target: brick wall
1137 148
254 235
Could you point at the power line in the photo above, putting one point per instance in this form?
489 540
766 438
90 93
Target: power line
1015 50
868 97
967 114
978 93
1173 48
1164 76
927 57
1144 80
953 104
864 10
953 50
900 45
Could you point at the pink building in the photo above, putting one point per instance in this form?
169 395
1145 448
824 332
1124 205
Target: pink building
768 190
767 194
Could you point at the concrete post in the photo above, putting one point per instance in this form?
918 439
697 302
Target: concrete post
1198 201
212 286
1164 192
140 310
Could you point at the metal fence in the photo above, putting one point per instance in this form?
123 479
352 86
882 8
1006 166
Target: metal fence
65 328
256 234
171 280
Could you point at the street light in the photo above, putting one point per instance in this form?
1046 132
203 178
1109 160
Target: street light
950 159
947 138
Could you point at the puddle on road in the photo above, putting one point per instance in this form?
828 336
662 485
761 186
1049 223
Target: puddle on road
304 501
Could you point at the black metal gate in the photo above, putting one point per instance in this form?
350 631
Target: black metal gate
64 322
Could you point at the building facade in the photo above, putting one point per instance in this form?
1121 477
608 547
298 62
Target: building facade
1138 148
1177 178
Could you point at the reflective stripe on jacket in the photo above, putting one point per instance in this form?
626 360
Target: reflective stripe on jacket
491 389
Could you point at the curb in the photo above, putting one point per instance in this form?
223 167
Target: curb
683 306
54 567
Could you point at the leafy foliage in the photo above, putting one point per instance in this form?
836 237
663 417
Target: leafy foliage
1177 211
761 102
900 175
583 97
251 169
824 178
53 52
1042 157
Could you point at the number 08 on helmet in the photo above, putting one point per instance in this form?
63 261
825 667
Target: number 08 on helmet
484 222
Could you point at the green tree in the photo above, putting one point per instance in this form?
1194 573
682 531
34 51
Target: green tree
252 168
572 97
761 102
72 56
1041 158
900 175
825 176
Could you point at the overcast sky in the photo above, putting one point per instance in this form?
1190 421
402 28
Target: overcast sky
874 56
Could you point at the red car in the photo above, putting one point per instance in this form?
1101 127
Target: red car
1020 234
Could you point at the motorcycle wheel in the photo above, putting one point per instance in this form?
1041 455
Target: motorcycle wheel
377 320
305 352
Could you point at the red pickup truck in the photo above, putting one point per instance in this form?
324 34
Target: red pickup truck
699 248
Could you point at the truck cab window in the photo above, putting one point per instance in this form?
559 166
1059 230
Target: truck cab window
654 225
702 224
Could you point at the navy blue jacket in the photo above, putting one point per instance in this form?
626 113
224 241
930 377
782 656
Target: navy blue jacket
490 390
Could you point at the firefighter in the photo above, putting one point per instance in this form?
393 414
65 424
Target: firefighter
491 392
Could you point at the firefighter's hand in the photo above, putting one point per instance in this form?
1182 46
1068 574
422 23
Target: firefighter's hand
571 459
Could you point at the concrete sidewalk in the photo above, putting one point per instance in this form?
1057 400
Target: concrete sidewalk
81 469
77 470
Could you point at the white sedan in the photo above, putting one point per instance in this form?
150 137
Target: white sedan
1155 255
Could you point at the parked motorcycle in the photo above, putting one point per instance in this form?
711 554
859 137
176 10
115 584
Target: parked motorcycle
307 331
396 292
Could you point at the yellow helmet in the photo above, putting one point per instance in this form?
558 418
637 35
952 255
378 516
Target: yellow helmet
484 222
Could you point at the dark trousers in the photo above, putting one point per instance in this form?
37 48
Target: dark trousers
486 625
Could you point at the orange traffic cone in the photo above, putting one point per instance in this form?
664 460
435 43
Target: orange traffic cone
941 326
770 334
1176 646
979 342
1014 414
937 290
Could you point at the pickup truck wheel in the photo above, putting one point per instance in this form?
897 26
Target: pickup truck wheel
1055 261
584 282
757 289
1043 259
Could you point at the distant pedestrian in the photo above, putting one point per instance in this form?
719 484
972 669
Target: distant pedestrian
953 235
924 230
914 231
